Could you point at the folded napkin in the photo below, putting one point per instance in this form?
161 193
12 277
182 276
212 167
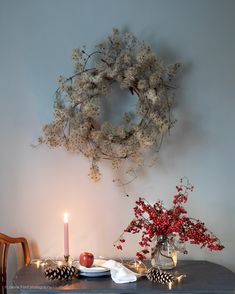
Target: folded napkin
119 273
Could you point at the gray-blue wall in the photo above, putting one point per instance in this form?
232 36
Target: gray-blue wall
38 185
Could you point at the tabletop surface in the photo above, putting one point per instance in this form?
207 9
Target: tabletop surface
201 277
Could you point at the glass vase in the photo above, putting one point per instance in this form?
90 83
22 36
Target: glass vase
163 253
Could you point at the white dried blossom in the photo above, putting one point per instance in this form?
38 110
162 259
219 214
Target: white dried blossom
154 79
131 74
116 163
143 85
91 110
94 173
97 135
128 58
120 132
76 54
151 94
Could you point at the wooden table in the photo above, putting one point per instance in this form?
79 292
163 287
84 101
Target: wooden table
202 277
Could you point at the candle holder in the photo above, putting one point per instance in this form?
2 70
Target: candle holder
68 261
66 258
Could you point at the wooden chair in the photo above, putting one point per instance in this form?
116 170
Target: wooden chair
5 242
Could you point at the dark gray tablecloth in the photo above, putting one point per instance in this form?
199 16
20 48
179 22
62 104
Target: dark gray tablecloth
202 277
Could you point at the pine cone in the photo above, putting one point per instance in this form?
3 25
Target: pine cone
155 275
60 273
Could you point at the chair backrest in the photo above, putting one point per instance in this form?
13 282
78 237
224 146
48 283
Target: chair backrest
5 242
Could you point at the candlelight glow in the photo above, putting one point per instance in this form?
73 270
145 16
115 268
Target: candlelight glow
174 258
60 263
66 217
70 262
170 285
179 278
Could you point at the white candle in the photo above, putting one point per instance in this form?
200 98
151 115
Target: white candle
66 234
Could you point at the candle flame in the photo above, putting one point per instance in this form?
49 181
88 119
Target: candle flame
66 217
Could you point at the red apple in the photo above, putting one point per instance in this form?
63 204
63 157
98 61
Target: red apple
86 259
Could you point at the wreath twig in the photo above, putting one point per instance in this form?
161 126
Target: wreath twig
77 125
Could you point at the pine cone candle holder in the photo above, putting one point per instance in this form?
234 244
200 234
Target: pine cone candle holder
60 273
156 275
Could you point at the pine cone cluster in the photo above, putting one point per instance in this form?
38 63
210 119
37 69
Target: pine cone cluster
155 275
60 273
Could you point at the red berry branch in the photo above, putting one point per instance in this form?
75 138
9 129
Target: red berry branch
157 221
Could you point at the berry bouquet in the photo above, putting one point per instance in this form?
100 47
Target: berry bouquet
168 226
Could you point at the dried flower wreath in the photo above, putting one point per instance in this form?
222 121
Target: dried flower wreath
77 124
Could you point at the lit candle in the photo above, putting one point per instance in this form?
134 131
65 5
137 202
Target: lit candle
66 234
